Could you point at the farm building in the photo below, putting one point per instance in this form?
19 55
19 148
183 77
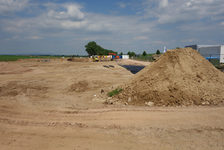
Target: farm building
125 56
210 51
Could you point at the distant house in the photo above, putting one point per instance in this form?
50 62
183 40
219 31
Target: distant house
125 56
210 51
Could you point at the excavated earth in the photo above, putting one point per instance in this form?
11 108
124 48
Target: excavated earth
179 77
58 105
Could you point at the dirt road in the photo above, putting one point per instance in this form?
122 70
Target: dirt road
56 105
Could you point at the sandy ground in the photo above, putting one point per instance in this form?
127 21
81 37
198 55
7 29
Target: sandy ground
56 106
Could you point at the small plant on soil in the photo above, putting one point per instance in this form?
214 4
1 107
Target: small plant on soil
114 92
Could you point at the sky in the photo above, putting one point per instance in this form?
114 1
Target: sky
64 27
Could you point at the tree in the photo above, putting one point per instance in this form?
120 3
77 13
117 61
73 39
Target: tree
158 52
144 53
121 53
131 54
93 49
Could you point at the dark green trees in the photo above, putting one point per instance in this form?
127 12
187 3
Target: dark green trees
131 54
93 49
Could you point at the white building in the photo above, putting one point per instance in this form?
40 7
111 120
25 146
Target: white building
210 51
125 56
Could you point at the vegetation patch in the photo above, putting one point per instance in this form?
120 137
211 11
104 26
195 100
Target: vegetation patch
217 64
17 57
92 48
114 92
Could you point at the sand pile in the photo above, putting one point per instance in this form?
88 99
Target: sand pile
12 68
179 77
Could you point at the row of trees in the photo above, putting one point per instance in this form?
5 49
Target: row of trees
93 49
157 52
132 54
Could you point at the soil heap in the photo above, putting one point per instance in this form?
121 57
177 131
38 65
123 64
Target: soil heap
179 77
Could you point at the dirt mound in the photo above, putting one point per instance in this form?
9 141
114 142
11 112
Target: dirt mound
179 77
14 88
80 86
12 68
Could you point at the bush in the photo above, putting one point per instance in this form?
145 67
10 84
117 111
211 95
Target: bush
131 54
158 52
114 92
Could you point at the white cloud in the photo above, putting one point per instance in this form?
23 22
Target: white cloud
117 24
122 4
185 10
74 26
71 17
35 37
189 40
163 3
141 38
7 6
65 16
71 11
159 42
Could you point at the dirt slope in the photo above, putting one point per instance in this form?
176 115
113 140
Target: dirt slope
53 107
179 77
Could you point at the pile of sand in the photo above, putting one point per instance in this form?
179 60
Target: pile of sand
179 77
12 68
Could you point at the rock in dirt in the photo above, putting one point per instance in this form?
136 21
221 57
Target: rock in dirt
180 77
149 103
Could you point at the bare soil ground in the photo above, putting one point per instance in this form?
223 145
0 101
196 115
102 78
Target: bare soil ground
57 105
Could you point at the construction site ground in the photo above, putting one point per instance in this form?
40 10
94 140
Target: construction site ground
58 105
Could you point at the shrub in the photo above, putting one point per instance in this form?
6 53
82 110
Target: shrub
144 53
158 52
114 92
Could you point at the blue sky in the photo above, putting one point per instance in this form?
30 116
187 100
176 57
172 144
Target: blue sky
65 27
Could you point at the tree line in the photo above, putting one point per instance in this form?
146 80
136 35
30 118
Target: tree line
92 48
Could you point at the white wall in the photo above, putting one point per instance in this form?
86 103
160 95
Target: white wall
222 54
213 51
125 56
207 51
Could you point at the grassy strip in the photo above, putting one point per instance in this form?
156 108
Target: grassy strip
114 92
217 64
17 57
148 57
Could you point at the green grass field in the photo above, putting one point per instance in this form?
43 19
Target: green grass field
148 57
17 57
